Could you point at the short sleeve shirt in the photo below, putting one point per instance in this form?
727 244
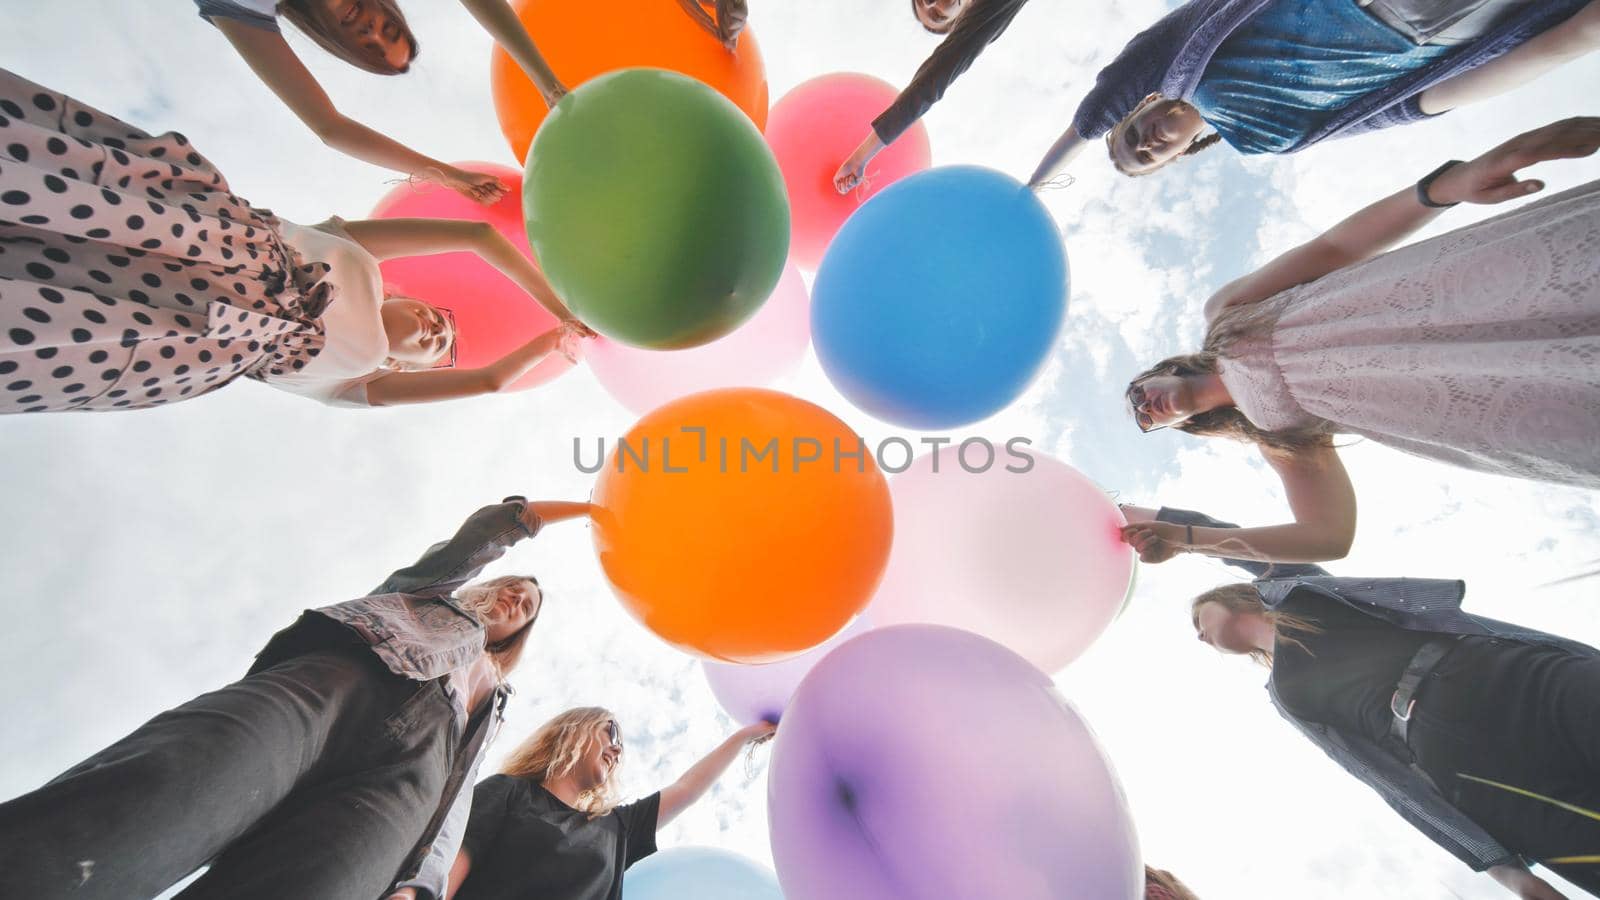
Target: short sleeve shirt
261 14
525 844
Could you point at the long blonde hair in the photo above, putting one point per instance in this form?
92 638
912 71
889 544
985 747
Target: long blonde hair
557 747
479 598
1243 598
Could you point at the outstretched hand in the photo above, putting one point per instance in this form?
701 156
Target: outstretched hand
476 186
759 733
1492 177
1155 542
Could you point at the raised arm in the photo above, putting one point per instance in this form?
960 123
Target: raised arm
975 28
1188 517
389 238
682 794
1058 157
1575 37
497 18
275 63
481 540
1321 499
1491 178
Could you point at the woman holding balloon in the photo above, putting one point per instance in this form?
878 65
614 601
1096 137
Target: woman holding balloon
136 278
549 826
371 35
1481 734
1474 348
1275 76
328 770
969 26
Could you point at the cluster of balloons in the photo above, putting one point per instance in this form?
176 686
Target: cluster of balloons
902 633
902 628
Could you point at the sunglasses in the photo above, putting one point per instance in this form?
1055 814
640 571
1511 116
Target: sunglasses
614 735
455 339
1139 402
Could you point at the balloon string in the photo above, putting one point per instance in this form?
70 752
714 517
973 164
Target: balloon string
1057 183
863 185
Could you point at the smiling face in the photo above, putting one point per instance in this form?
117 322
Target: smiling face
938 15
372 30
419 335
1154 136
602 755
515 605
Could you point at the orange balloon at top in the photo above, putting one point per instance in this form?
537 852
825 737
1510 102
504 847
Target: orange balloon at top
743 524
583 39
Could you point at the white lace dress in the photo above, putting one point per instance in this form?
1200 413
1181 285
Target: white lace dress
1479 348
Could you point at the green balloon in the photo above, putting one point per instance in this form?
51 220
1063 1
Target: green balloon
656 209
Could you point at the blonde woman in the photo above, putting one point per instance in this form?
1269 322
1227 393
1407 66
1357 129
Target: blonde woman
324 772
549 828
1475 348
134 278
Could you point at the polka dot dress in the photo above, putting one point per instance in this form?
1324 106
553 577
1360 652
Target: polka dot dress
130 276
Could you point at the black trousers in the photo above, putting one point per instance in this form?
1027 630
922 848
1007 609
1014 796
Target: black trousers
313 778
1526 717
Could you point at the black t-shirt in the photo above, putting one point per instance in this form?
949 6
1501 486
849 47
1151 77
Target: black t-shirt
525 844
1347 673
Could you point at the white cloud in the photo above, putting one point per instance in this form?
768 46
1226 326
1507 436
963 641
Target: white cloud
150 554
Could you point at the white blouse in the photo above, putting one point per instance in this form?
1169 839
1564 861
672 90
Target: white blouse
356 345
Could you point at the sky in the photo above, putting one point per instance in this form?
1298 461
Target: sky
150 554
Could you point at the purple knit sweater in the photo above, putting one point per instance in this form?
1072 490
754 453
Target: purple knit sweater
1171 56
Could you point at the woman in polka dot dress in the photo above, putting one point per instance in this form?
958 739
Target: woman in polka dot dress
131 277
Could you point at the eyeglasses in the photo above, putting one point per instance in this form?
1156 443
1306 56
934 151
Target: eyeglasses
614 735
455 338
1139 402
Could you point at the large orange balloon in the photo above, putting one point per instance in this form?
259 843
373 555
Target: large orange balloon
750 541
583 39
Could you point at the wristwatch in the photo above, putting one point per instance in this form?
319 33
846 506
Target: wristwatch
1427 180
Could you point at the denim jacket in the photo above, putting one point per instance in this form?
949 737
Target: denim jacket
1415 604
415 626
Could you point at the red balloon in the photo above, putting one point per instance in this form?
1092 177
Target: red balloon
493 315
811 131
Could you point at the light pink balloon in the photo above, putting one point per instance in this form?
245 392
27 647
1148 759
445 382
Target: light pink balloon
812 130
752 694
762 349
1032 560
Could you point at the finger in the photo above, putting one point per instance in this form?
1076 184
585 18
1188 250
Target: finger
1504 192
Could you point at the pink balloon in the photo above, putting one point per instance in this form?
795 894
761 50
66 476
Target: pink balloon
812 129
752 694
1033 560
493 315
762 349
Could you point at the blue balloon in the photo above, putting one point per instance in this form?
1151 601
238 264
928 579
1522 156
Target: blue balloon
699 873
939 300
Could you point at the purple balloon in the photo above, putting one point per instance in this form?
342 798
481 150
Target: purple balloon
759 693
919 761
